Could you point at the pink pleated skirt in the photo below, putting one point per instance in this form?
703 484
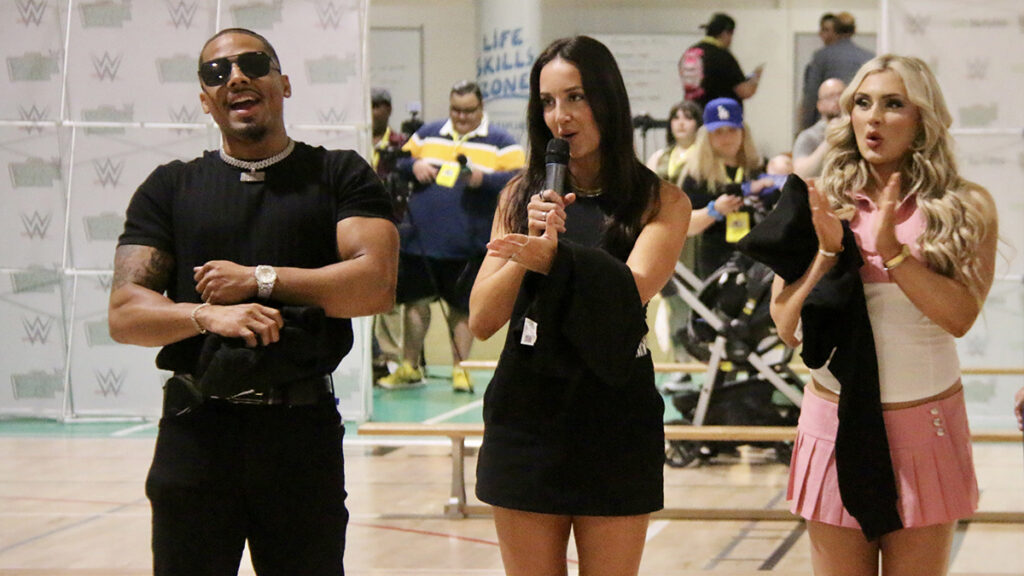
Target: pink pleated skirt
930 446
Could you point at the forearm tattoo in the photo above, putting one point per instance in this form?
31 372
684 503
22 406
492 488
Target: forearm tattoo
142 265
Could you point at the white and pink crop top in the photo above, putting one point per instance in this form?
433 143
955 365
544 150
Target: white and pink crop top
916 358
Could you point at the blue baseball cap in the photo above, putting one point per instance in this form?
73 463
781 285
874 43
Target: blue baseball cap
722 112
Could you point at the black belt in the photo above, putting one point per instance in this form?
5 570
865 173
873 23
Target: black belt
302 392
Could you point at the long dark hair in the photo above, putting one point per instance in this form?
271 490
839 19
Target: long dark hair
630 188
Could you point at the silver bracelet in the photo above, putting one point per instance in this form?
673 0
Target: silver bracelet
195 321
828 254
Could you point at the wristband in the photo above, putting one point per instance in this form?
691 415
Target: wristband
828 254
898 259
195 321
715 213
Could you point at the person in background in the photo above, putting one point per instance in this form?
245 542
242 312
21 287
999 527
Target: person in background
574 431
721 160
386 142
810 146
923 243
387 145
708 70
459 167
779 165
246 266
839 58
685 118
1018 408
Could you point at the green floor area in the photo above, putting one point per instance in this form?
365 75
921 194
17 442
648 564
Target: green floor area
434 402
82 428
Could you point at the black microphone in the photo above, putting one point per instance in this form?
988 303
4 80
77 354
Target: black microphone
556 165
463 163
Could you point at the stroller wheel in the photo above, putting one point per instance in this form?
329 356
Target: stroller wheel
681 453
783 452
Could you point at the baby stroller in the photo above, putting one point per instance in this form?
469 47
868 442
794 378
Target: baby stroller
748 380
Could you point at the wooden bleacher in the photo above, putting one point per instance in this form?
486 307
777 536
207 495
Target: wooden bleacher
457 506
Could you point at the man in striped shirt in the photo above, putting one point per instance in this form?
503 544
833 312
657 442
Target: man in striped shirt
459 167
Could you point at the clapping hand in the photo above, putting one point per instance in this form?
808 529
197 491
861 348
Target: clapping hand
826 224
886 244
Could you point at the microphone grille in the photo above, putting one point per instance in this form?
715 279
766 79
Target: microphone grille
557 152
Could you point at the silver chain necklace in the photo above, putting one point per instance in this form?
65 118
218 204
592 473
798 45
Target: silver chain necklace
255 168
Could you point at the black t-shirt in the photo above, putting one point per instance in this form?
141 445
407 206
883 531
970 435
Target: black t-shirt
721 74
714 249
200 211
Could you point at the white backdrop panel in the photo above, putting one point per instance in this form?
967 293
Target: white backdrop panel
108 165
353 379
649 64
32 49
136 62
975 48
131 66
997 162
339 138
107 378
32 195
32 343
320 46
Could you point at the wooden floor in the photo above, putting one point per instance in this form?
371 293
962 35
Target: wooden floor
73 505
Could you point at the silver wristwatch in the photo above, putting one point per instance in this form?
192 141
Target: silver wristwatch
266 277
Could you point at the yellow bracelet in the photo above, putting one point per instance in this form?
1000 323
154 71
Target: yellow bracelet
898 259
195 321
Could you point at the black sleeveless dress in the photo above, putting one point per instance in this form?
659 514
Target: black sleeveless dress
562 435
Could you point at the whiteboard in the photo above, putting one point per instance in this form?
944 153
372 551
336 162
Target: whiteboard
649 66
396 63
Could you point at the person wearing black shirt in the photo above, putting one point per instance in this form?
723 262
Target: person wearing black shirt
708 70
246 265
574 432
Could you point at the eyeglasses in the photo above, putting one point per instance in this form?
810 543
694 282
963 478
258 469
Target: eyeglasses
464 111
253 64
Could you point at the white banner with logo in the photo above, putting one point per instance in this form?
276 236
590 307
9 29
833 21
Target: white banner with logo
509 44
97 94
976 50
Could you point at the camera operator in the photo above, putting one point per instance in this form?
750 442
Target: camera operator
460 166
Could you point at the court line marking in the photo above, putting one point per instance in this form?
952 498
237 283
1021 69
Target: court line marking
456 412
134 429
67 527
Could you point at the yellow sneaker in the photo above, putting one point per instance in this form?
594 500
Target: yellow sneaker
461 381
405 376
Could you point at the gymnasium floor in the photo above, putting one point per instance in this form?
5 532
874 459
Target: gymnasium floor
72 503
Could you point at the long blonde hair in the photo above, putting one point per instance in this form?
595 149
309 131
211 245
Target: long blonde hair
955 215
704 165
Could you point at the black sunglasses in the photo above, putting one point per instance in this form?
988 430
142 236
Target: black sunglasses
253 64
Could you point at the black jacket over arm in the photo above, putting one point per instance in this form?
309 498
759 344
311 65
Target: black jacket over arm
836 325
591 297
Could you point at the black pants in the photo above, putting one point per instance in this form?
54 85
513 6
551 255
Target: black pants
273 475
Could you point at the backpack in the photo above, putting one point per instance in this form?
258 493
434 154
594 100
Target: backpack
691 73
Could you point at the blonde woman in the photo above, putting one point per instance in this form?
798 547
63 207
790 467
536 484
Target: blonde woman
928 241
717 165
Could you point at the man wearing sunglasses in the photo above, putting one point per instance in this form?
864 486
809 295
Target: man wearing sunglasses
246 265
